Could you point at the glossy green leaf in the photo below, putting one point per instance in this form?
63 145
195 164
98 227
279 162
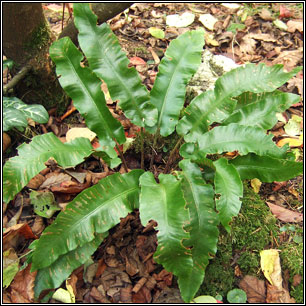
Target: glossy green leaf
203 226
18 170
165 204
262 112
217 105
266 169
16 112
244 139
53 275
95 210
84 88
229 189
179 63
110 63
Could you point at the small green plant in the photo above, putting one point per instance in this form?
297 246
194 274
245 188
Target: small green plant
236 296
188 204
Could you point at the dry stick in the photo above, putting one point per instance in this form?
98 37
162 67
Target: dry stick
122 158
17 78
154 144
169 161
142 149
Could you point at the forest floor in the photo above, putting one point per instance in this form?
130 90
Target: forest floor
123 270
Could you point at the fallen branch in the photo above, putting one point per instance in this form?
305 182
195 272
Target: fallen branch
16 79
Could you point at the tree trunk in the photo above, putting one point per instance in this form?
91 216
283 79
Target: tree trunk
104 11
26 41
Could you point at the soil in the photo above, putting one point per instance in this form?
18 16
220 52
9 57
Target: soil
123 268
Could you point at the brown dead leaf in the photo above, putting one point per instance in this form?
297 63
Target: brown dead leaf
23 286
12 234
289 59
38 226
298 83
254 288
6 141
296 280
265 14
284 214
36 181
54 179
97 295
262 36
72 280
276 295
294 25
142 296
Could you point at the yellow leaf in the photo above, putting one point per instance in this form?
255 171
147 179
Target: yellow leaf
64 296
293 142
270 265
80 132
256 183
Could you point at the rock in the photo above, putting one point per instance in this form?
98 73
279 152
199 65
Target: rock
211 68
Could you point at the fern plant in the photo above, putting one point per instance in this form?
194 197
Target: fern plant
189 204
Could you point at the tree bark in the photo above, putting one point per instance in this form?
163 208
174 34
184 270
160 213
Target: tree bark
26 41
104 11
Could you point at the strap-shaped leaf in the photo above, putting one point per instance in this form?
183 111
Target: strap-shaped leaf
266 169
16 112
110 63
203 111
84 88
95 210
244 139
165 204
53 276
203 227
229 188
262 112
179 63
18 170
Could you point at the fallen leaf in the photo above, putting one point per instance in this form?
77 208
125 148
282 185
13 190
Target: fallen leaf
180 21
284 214
208 21
36 181
280 25
10 266
23 286
38 226
254 288
284 12
80 132
63 296
11 235
232 6
293 142
256 183
289 59
44 203
55 179
6 141
265 14
157 33
277 296
296 280
135 60
292 128
295 25
271 268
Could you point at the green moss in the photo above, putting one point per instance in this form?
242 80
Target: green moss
40 38
251 233
291 256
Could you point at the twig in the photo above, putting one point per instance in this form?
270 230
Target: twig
68 113
153 150
16 79
122 157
